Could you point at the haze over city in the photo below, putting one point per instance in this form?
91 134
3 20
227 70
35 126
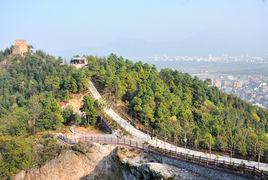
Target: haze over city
138 28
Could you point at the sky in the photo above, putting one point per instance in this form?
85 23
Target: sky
137 28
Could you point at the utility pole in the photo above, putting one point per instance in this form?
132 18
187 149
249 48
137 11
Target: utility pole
258 146
210 146
259 157
185 141
176 143
231 152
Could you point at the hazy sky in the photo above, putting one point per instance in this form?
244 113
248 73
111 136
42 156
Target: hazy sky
137 27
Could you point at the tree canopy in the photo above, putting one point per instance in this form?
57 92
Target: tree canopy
31 89
173 104
168 102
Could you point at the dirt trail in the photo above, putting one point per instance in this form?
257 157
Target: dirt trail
76 102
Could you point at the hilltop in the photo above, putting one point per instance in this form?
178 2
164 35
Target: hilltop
167 102
31 89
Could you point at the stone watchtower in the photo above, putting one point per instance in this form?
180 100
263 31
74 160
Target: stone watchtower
20 47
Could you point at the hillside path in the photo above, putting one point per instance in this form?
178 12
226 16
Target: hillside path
161 144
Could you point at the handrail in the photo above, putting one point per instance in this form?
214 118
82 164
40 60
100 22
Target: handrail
162 137
214 163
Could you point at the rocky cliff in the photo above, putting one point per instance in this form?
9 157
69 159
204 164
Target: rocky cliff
95 161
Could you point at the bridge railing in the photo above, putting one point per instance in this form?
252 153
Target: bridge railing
213 163
164 137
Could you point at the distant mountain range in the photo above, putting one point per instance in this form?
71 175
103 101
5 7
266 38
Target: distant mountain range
143 49
209 58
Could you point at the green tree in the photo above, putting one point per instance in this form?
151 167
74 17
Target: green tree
15 123
91 109
70 117
208 140
16 154
51 117
262 144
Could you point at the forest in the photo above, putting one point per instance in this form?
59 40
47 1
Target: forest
31 89
175 106
169 103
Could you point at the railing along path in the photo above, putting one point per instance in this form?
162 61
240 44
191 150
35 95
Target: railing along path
164 143
214 163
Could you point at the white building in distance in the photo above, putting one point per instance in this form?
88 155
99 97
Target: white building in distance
78 62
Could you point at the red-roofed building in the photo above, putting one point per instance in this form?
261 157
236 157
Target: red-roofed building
63 104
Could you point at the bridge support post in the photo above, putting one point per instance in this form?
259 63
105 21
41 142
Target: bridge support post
262 174
254 171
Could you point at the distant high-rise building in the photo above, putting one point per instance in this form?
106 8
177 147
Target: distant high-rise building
20 47
217 83
227 83
237 84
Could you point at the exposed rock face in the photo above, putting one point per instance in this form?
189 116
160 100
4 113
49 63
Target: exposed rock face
69 165
155 170
103 162
143 166
73 164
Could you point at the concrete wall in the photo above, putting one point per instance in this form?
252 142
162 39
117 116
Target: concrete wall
104 125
